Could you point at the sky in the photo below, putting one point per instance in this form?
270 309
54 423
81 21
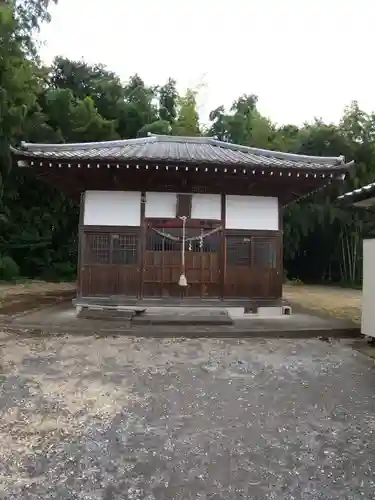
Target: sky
303 58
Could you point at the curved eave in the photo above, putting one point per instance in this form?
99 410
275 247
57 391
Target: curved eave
363 197
198 141
30 156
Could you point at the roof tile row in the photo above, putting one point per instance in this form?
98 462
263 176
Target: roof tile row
179 150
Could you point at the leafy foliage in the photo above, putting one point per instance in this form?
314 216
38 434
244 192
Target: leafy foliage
75 101
9 269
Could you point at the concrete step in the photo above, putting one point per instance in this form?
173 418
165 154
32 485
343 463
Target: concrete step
183 316
183 321
157 315
194 302
105 313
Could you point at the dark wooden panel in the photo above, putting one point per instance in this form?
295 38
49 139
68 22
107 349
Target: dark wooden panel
265 267
128 280
80 242
163 258
111 229
248 233
259 181
110 263
205 224
96 280
142 239
223 258
247 264
253 267
237 266
184 202
104 280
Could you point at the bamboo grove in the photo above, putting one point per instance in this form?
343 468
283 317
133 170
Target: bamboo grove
74 101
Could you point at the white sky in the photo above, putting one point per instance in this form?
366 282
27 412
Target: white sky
303 58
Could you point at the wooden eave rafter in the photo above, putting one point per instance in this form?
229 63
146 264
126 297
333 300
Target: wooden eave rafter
289 184
329 171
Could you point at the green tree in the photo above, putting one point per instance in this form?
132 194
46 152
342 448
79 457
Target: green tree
94 81
75 101
187 121
28 15
77 120
160 127
219 124
168 101
138 109
243 124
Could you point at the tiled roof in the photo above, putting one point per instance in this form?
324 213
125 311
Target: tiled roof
359 194
179 150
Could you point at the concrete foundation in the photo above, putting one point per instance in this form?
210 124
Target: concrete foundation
175 322
176 314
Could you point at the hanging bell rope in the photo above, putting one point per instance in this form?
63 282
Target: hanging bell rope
183 281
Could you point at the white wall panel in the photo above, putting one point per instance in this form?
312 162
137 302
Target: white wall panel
161 205
206 206
368 288
251 212
112 208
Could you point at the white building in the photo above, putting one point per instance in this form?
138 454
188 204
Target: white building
364 198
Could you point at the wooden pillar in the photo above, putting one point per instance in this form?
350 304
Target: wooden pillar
223 258
80 244
142 244
281 249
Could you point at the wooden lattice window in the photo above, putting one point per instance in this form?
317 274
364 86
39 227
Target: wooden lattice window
263 253
250 251
238 251
211 244
124 249
120 249
156 242
98 249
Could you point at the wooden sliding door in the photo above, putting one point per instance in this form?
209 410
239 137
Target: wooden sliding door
252 266
163 262
110 263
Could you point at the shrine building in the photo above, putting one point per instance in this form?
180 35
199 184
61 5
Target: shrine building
179 219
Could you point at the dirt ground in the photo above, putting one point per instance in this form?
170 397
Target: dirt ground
343 303
146 419
22 297
34 287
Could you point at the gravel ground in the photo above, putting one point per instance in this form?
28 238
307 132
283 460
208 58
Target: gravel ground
144 419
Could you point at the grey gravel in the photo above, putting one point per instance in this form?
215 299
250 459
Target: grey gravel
125 418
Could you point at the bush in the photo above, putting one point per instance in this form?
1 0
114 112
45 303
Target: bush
296 281
9 269
59 271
